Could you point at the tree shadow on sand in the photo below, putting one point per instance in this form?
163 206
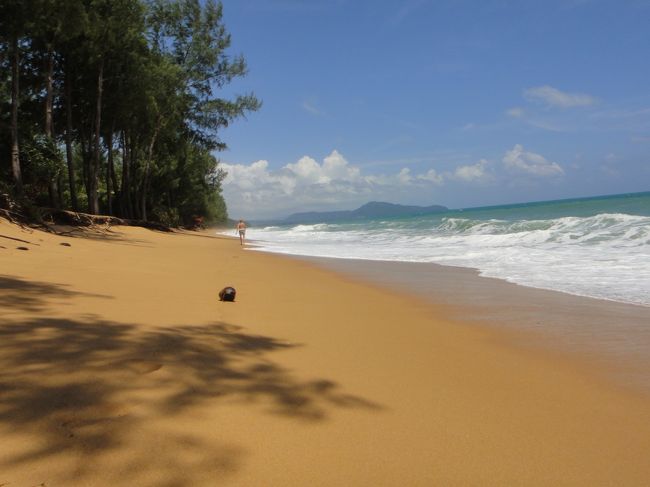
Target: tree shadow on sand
101 233
85 388
18 294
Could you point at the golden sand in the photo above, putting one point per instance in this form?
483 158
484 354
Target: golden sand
119 366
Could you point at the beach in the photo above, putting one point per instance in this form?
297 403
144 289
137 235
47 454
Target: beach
611 335
119 366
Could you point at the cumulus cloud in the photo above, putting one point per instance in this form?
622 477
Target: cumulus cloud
336 167
554 97
404 176
431 176
518 160
259 191
473 173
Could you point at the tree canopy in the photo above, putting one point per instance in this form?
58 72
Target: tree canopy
113 106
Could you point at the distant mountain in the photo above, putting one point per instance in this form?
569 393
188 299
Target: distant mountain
374 209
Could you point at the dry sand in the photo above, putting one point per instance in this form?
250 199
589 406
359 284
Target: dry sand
118 366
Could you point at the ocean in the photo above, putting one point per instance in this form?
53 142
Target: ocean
597 247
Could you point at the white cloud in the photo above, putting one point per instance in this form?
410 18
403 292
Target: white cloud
554 97
473 173
515 112
404 176
259 191
336 167
308 169
518 160
309 107
432 176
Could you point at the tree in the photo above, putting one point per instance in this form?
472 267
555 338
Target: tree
13 27
111 33
53 24
132 90
196 39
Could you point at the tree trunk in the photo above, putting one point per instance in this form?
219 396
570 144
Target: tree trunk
85 143
111 173
15 154
123 210
109 170
49 95
125 192
114 178
134 208
145 177
59 188
55 201
143 194
93 194
68 139
51 193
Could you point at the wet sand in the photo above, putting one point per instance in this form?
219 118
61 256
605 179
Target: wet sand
119 366
609 334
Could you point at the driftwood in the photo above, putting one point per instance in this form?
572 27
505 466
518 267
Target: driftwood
64 217
11 210
12 216
17 240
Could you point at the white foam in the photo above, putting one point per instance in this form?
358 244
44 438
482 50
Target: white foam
605 256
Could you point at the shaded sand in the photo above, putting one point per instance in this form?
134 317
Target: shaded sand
118 366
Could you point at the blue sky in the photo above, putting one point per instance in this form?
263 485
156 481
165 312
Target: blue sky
454 102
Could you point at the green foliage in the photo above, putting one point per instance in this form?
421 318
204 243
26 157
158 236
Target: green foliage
194 39
42 163
150 73
44 158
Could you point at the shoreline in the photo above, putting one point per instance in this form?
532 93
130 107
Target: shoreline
612 335
118 365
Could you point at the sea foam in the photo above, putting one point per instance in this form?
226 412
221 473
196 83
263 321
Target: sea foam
604 256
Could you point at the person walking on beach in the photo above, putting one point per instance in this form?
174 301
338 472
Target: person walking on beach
241 228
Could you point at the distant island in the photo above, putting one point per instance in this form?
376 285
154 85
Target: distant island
374 209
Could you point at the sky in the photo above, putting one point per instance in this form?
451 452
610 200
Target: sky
462 103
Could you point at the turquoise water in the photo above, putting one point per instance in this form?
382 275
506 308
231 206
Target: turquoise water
630 203
597 247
